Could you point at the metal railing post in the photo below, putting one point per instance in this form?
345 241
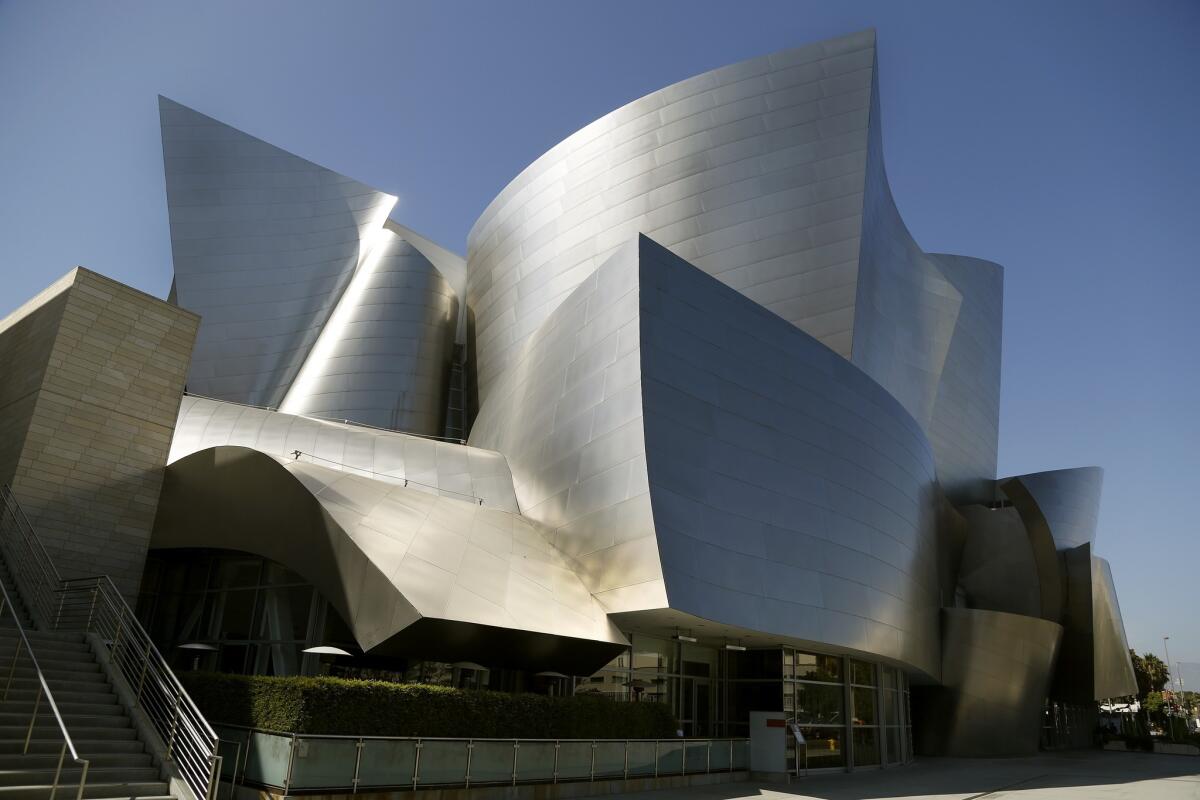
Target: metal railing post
683 765
214 777
13 666
656 741
357 765
287 778
592 768
37 704
470 753
554 778
137 698
174 728
625 772
58 770
417 765
516 751
82 780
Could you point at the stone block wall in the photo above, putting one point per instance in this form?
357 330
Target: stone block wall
86 420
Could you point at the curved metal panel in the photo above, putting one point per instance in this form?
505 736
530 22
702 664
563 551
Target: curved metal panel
928 328
995 671
753 172
1114 676
264 243
425 465
683 441
383 357
1067 501
384 555
999 572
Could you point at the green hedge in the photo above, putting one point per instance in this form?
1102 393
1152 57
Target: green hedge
379 708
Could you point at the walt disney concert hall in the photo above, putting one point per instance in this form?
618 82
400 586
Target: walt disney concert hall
695 421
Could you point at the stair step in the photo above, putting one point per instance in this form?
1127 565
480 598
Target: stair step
86 747
8 644
17 719
102 694
70 775
65 707
39 761
80 731
78 681
155 790
61 669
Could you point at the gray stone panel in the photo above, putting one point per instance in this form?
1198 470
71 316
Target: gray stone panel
694 451
101 368
753 172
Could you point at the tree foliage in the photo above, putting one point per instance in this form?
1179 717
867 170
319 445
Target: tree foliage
1151 673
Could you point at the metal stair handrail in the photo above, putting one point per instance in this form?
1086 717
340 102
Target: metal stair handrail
95 605
6 604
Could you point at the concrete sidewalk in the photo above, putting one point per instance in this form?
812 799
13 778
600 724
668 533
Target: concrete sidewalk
1069 776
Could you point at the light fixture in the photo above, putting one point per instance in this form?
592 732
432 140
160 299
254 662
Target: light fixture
469 665
679 637
736 647
326 650
550 674
198 646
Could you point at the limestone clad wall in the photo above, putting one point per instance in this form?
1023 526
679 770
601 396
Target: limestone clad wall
93 376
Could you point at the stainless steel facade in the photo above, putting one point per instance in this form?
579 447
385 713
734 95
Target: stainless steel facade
310 299
721 390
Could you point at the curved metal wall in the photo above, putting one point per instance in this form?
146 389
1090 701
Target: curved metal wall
387 556
263 244
426 465
995 670
1113 673
1068 500
694 451
383 357
929 328
753 172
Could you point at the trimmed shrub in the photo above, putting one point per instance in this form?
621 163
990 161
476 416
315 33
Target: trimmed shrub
379 708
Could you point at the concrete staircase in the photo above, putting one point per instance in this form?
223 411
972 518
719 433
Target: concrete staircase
120 764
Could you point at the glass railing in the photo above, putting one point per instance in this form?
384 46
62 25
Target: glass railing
302 762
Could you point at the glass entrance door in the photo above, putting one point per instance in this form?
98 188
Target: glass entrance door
696 707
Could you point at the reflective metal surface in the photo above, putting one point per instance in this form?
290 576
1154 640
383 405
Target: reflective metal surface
384 555
423 465
1114 676
307 300
753 172
928 328
1066 500
692 450
995 671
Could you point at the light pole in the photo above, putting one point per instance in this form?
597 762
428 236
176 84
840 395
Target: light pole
1166 708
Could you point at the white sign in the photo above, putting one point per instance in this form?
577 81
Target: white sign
796 732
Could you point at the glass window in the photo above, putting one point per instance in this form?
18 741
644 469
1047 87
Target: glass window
894 754
891 708
824 747
654 655
866 747
862 673
818 704
812 667
864 706
889 677
750 664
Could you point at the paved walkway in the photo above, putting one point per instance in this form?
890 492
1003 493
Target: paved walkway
1060 776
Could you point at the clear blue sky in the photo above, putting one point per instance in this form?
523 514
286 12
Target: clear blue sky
1060 139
